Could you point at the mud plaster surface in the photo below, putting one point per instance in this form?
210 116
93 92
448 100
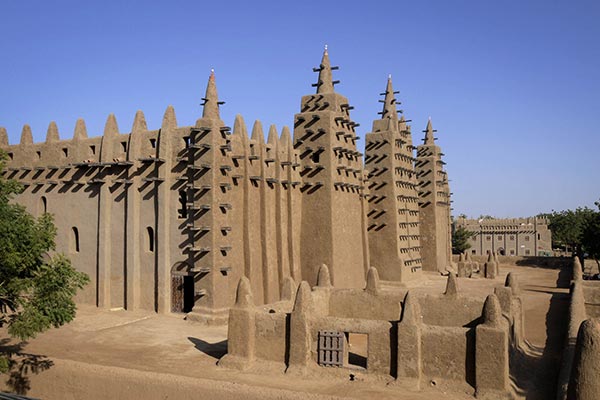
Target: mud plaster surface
119 354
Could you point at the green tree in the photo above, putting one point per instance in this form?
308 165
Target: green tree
36 291
567 228
590 237
460 240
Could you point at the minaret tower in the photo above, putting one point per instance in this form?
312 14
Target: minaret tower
393 215
209 207
330 170
434 204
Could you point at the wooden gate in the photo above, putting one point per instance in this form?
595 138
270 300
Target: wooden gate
177 293
330 348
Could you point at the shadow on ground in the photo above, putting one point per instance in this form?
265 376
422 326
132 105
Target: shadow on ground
545 262
21 365
215 350
534 369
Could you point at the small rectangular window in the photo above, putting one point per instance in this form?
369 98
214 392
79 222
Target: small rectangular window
488 238
65 152
527 252
93 150
124 146
186 140
153 143
499 237
10 155
527 238
512 252
511 237
39 154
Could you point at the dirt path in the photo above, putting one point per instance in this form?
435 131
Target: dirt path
546 303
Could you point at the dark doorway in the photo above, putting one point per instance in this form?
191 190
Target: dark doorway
182 293
358 344
188 293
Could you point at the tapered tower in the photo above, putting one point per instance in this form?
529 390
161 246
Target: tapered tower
434 204
207 197
393 214
331 170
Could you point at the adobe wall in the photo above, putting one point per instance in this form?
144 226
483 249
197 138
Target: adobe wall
145 208
361 304
591 294
450 312
414 339
448 353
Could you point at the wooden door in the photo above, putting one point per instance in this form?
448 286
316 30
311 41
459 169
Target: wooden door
176 293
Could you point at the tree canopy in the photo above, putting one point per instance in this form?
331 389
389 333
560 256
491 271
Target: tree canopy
576 230
460 240
36 290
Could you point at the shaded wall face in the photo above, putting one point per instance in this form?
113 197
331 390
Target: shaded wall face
434 208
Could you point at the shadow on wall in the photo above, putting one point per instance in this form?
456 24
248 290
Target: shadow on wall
21 365
215 350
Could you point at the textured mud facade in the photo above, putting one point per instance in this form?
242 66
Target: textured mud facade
412 338
171 219
434 205
580 365
393 212
508 237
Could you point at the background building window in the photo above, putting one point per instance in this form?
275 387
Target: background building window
527 238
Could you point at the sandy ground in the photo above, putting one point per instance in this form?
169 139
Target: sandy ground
123 354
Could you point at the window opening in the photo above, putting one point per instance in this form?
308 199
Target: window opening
75 240
182 212
43 205
150 232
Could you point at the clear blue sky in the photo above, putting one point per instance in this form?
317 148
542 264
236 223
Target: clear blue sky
513 87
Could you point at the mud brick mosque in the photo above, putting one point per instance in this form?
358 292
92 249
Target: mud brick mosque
171 219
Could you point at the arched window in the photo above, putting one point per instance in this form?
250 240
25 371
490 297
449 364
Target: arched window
150 239
43 206
75 240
